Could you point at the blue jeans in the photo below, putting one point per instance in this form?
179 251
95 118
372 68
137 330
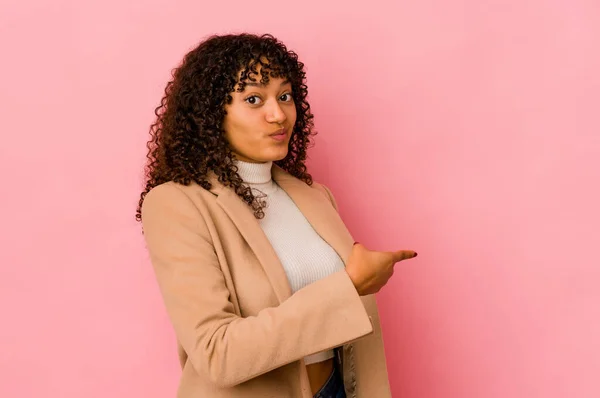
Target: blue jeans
333 387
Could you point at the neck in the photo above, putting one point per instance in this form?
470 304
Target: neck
254 173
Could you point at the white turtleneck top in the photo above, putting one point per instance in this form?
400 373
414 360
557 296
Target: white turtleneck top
305 256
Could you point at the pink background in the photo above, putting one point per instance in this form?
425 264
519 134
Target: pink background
466 130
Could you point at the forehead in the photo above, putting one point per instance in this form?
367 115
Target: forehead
260 74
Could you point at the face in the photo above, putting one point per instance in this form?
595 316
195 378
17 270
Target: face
259 121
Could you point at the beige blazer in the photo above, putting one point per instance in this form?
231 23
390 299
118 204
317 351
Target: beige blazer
240 331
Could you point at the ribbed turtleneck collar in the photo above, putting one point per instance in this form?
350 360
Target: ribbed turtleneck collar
254 173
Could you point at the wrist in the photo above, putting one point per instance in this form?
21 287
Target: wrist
354 280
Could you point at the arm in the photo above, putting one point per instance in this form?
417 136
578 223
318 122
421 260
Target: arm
223 346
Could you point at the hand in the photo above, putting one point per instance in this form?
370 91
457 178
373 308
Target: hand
370 270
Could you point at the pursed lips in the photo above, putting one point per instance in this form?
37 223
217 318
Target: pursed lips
279 135
278 132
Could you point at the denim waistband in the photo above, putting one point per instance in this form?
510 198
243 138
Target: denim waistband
333 387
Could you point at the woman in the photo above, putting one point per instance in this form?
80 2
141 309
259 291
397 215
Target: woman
268 293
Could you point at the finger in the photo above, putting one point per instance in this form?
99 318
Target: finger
403 255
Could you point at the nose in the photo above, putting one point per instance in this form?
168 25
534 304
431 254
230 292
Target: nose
275 114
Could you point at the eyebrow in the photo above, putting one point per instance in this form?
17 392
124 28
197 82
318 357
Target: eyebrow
253 84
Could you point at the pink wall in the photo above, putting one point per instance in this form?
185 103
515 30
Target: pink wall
466 130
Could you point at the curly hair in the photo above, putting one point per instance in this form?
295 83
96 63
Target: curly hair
187 138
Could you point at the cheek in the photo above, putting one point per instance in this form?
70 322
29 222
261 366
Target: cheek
235 125
239 139
241 132
291 115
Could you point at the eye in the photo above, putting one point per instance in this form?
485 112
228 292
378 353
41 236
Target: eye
286 97
253 100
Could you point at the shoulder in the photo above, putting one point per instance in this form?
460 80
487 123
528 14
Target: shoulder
171 196
326 192
167 192
322 189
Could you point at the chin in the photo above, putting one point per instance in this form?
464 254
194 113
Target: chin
276 155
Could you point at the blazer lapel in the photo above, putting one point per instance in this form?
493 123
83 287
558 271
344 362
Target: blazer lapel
243 218
314 206
319 212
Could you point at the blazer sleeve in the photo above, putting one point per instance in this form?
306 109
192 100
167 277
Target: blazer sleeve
220 344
